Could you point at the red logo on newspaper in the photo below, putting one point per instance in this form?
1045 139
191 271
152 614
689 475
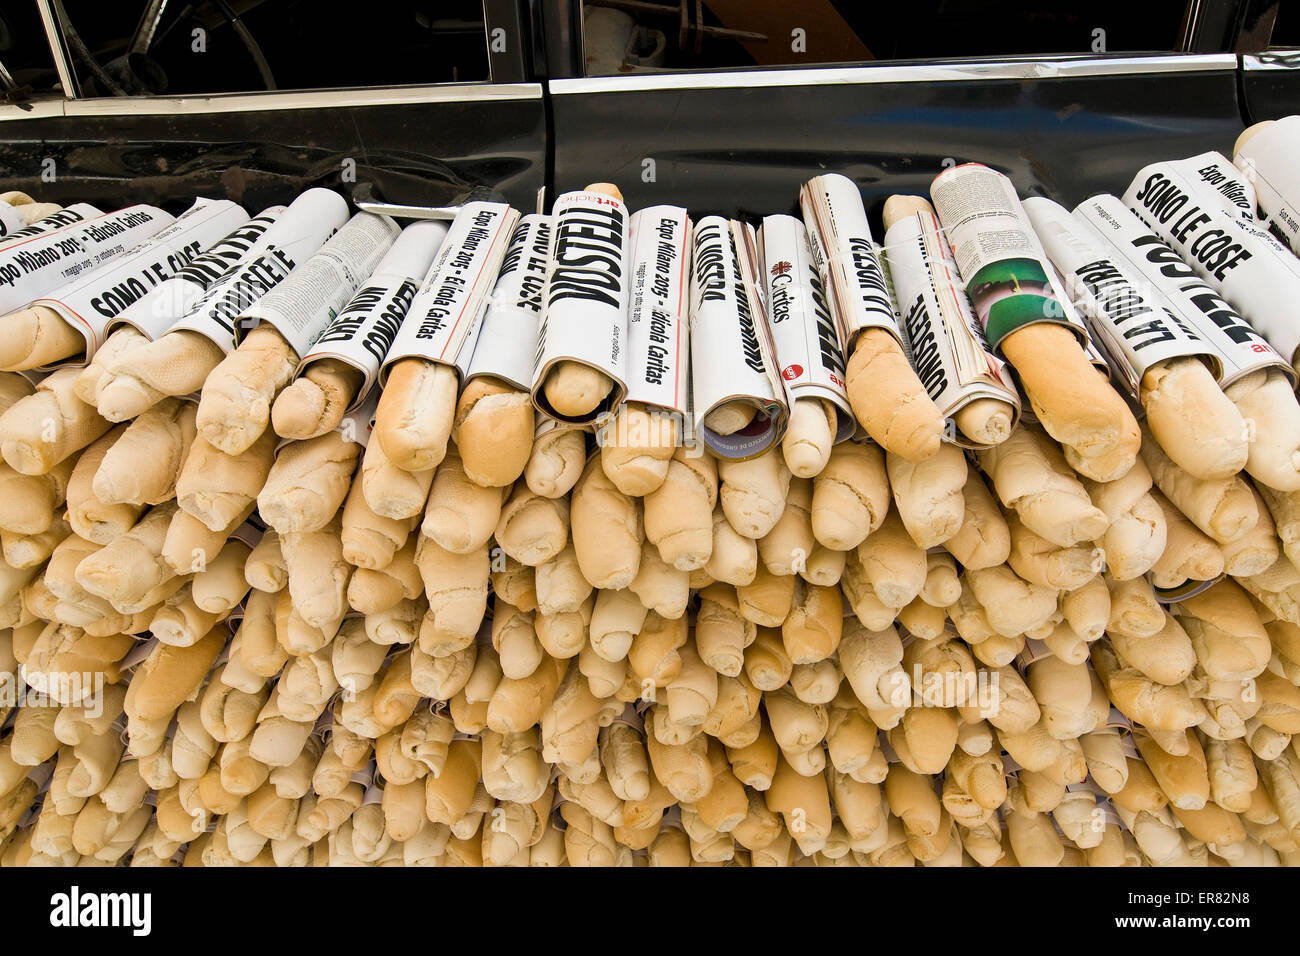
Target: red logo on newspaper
781 268
791 372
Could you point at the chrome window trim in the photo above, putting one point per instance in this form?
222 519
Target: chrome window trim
278 100
1280 59
59 52
953 70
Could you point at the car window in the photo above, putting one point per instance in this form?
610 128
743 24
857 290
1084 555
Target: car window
24 50
709 34
1286 29
234 46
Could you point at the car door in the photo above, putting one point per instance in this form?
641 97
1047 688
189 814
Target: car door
160 102
740 140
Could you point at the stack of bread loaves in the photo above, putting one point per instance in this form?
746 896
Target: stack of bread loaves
364 549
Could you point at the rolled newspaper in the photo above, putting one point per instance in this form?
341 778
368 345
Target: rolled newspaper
740 403
1026 316
494 422
658 344
1216 174
581 366
69 215
446 311
153 313
944 339
315 292
1251 372
1237 347
804 331
290 241
273 332
507 342
343 363
422 372
1266 153
1168 366
362 331
807 346
639 438
39 264
1239 259
90 303
884 391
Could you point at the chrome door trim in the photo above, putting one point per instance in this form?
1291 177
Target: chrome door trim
952 70
278 100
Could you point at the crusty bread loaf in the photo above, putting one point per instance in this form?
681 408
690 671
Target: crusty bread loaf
983 539
176 363
171 675
1075 403
809 436
636 446
1266 399
1223 508
415 414
1029 474
928 494
493 429
889 400
307 484
461 514
1137 534
607 530
850 496
44 428
1198 426
679 513
36 336
316 401
753 492
391 491
235 404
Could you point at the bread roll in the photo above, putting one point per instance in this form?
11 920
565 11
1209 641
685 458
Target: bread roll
557 460
1030 474
43 429
1265 398
607 530
850 496
493 429
96 375
415 414
390 491
1189 553
928 494
316 401
215 487
636 447
809 436
1074 402
1223 508
534 529
908 423
176 363
307 484
1137 534
235 404
983 539
753 492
